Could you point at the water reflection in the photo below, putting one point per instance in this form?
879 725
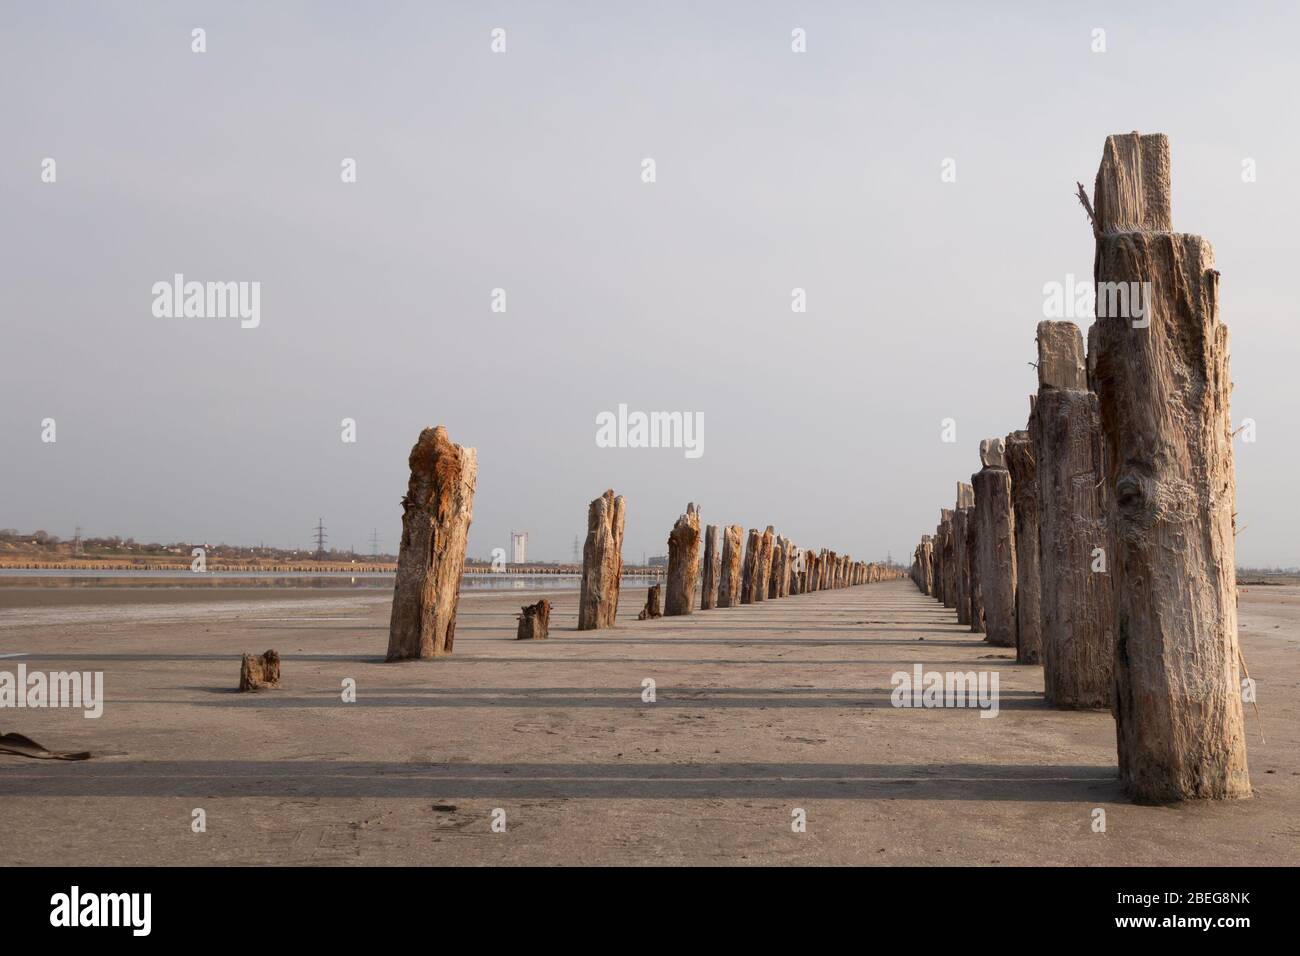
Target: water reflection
381 580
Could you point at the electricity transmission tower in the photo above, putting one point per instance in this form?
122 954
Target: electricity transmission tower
320 539
374 543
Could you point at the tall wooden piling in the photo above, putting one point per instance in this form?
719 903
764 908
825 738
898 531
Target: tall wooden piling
1024 497
712 567
752 565
729 576
1163 383
602 563
436 515
1076 594
996 536
683 564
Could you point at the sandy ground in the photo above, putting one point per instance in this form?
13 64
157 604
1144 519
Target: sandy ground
759 710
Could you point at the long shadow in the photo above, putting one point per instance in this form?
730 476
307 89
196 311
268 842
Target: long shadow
666 699
632 781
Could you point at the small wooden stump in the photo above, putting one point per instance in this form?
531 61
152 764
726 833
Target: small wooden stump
651 609
535 621
259 672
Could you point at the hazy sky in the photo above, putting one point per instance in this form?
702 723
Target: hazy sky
522 170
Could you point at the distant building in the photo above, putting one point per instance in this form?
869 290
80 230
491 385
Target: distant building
518 547
658 561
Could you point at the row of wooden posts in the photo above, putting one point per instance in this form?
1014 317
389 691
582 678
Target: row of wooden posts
1098 541
771 567
436 515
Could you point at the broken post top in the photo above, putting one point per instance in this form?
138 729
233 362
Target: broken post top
439 468
689 520
1132 189
1061 362
606 505
965 496
993 453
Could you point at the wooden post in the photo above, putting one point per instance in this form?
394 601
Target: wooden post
602 563
962 514
774 567
750 570
960 520
729 579
927 564
1024 497
436 514
534 621
949 559
1077 601
683 563
996 554
972 562
1164 384
712 566
787 566
764 569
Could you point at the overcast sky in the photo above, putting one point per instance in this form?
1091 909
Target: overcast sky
522 170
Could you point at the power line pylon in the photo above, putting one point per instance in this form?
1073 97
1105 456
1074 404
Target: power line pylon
321 537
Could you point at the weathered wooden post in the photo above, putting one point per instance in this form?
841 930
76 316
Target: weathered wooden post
1076 594
927 564
602 563
729 580
996 554
764 570
949 559
436 515
972 562
1024 497
774 567
962 515
753 562
709 586
1163 382
787 567
683 563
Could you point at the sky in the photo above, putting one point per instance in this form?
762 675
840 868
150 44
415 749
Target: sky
523 170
